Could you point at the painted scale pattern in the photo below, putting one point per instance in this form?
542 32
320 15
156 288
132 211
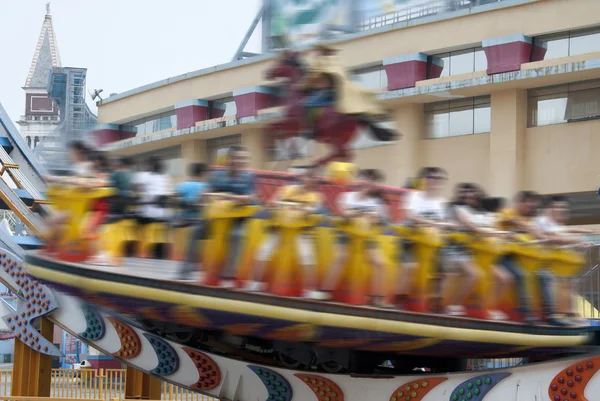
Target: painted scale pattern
477 387
95 328
416 390
168 360
278 388
38 302
131 346
209 374
570 384
323 388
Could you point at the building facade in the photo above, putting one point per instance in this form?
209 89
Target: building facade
41 114
504 94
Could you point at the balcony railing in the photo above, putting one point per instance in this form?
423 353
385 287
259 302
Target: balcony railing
421 11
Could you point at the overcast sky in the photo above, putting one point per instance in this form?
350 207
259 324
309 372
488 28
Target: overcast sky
123 43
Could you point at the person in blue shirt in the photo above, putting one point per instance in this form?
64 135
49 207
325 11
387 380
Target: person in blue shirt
232 183
189 192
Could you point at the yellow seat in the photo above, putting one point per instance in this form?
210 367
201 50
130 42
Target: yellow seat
486 252
75 201
354 287
286 278
115 237
152 235
427 243
565 262
220 215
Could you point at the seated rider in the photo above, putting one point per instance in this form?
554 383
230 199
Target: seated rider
306 198
321 95
552 224
467 210
81 169
364 202
520 219
426 207
190 194
236 184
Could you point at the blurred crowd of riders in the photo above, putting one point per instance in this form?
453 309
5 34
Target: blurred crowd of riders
150 195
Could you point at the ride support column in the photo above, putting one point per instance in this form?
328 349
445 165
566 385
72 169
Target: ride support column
32 371
139 385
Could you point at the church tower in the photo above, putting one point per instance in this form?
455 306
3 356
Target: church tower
41 114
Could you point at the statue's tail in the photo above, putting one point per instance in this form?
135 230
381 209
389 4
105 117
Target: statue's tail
378 132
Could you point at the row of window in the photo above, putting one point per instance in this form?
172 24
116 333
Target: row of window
552 105
41 118
570 43
545 106
548 109
471 60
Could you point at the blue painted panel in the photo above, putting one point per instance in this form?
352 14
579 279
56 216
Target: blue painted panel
5 143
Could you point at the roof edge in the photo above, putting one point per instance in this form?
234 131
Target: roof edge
345 38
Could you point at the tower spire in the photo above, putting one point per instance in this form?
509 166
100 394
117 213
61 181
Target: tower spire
46 55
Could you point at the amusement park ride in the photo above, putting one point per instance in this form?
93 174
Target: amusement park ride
235 345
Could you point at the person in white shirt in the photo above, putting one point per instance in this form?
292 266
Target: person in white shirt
365 202
468 213
427 207
153 184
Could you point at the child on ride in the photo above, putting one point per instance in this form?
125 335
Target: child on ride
308 199
469 214
427 207
364 202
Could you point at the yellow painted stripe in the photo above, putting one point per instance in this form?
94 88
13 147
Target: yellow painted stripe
304 316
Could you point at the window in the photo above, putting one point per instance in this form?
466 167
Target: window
458 117
364 139
563 103
371 78
463 61
171 158
216 145
230 107
570 43
154 123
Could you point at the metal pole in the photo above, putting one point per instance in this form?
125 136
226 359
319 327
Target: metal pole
267 14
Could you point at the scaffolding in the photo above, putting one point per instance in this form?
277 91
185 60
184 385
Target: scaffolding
66 87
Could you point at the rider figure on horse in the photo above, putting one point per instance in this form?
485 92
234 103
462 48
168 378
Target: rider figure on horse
328 85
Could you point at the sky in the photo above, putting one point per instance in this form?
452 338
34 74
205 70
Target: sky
123 43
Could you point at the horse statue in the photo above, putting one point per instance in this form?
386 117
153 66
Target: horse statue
335 121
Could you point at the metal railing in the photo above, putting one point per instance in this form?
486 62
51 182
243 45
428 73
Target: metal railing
587 286
97 384
421 11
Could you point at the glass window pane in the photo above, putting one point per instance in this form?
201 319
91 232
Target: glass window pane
140 129
583 104
437 125
583 44
462 63
482 120
372 79
230 109
551 111
446 70
480 61
461 122
557 48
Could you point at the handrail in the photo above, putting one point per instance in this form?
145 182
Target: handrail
421 11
